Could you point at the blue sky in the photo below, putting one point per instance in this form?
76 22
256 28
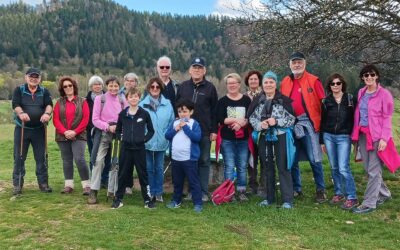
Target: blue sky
182 7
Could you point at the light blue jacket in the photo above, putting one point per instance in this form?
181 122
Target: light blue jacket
161 118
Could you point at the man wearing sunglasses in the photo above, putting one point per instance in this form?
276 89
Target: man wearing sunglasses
32 106
204 96
307 92
171 86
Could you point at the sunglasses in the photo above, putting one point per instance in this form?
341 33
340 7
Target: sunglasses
165 67
335 83
68 86
34 76
366 75
155 87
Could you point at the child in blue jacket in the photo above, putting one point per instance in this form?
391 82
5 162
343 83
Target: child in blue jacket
184 135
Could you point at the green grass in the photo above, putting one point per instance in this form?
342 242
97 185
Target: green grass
54 221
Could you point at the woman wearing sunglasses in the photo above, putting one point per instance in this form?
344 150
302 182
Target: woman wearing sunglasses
161 114
71 116
372 130
336 126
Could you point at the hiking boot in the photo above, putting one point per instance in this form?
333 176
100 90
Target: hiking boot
198 208
382 199
117 203
44 188
86 191
149 205
287 205
242 197
17 191
128 191
336 199
265 203
173 204
320 196
350 204
298 194
159 198
205 198
92 197
362 209
67 190
188 197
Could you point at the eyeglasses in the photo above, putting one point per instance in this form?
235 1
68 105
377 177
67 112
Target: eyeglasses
335 83
165 67
155 87
68 86
366 75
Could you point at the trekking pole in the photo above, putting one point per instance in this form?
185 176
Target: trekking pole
20 154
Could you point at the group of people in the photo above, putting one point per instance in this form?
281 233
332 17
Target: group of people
274 123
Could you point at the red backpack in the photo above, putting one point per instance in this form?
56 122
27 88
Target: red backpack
224 193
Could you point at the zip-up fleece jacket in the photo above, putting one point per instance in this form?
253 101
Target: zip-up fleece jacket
134 130
380 111
161 118
337 118
205 98
194 134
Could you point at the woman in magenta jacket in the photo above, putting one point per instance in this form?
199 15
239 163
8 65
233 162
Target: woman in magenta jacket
372 130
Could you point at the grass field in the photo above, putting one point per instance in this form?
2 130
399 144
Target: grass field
55 221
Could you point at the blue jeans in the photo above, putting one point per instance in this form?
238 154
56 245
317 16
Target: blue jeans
318 173
155 171
338 148
235 154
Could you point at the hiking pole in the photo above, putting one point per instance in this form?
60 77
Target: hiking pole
20 156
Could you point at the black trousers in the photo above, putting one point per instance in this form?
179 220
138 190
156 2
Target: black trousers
131 158
34 137
271 153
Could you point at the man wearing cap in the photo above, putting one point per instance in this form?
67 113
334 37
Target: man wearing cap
171 86
205 98
306 91
32 106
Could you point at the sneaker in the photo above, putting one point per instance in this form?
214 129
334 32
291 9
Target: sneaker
320 196
117 203
336 199
128 191
92 197
17 191
86 191
149 205
298 194
205 198
159 198
265 203
287 205
242 197
362 209
198 208
350 204
44 188
67 190
173 204
382 199
188 197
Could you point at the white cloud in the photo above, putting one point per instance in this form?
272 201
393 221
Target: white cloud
34 2
236 8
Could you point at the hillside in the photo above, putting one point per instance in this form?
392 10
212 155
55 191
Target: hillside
100 35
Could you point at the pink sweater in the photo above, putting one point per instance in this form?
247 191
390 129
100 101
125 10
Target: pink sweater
380 111
112 106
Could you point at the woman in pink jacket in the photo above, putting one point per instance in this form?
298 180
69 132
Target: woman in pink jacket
372 130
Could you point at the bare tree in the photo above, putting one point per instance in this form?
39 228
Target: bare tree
363 31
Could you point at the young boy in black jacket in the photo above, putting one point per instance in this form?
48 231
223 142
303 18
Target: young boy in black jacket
131 130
